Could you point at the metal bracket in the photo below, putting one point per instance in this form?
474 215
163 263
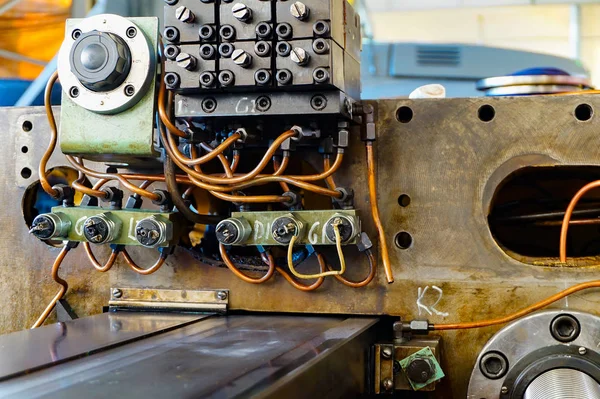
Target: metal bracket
392 367
168 300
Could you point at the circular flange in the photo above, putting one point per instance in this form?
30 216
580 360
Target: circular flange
143 66
529 342
532 80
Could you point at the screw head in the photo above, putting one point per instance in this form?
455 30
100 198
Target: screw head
386 353
222 295
117 293
241 12
299 10
186 61
388 384
582 351
184 15
504 390
299 56
241 58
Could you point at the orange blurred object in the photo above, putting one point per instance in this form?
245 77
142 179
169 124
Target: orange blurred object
34 29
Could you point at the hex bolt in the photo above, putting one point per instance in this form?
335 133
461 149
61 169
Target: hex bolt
321 75
185 15
263 104
222 295
117 293
582 351
388 384
284 30
493 365
171 52
283 49
386 353
262 49
209 105
284 77
241 58
171 34
226 78
299 10
207 79
263 30
241 12
299 56
227 32
226 49
172 80
262 77
321 28
186 61
320 46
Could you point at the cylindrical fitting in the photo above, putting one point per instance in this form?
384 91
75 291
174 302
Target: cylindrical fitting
241 58
321 28
185 15
299 11
321 46
207 51
153 231
286 227
206 32
321 75
102 228
186 61
241 12
264 30
284 77
284 30
50 225
299 56
262 49
348 227
226 78
233 231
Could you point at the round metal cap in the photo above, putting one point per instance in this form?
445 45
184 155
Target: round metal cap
100 60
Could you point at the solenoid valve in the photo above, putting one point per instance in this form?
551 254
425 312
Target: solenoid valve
51 226
153 231
102 228
233 231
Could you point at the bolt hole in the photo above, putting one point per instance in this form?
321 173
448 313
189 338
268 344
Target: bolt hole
27 126
404 114
486 113
129 90
76 34
74 92
584 112
403 240
24 149
131 32
170 79
25 173
404 200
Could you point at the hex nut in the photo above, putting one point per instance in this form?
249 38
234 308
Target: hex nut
493 365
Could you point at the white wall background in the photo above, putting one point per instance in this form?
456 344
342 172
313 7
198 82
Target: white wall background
540 28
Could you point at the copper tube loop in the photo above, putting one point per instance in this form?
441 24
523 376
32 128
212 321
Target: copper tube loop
280 169
107 266
275 179
64 286
257 199
327 172
53 137
235 163
144 272
301 286
222 159
366 281
238 273
162 112
568 214
521 313
385 255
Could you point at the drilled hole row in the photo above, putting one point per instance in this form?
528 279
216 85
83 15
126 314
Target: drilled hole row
27 126
487 113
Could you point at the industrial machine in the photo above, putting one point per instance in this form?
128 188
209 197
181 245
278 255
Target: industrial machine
213 211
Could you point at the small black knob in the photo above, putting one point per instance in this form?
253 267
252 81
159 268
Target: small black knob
100 60
419 371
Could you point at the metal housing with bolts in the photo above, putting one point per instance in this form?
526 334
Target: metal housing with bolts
102 228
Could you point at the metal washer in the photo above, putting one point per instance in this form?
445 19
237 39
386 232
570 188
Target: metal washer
143 66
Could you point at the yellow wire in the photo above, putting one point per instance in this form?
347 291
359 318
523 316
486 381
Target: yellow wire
338 244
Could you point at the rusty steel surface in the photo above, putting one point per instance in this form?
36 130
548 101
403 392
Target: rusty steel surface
448 161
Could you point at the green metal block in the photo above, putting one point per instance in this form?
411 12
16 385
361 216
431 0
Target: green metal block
128 217
120 137
314 223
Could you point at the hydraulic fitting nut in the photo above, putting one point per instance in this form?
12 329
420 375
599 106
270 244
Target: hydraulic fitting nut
102 228
233 231
348 226
154 231
286 227
50 225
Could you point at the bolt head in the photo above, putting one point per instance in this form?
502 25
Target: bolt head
504 390
388 384
241 58
386 353
184 14
117 293
222 295
582 351
299 10
299 56
241 12
186 61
